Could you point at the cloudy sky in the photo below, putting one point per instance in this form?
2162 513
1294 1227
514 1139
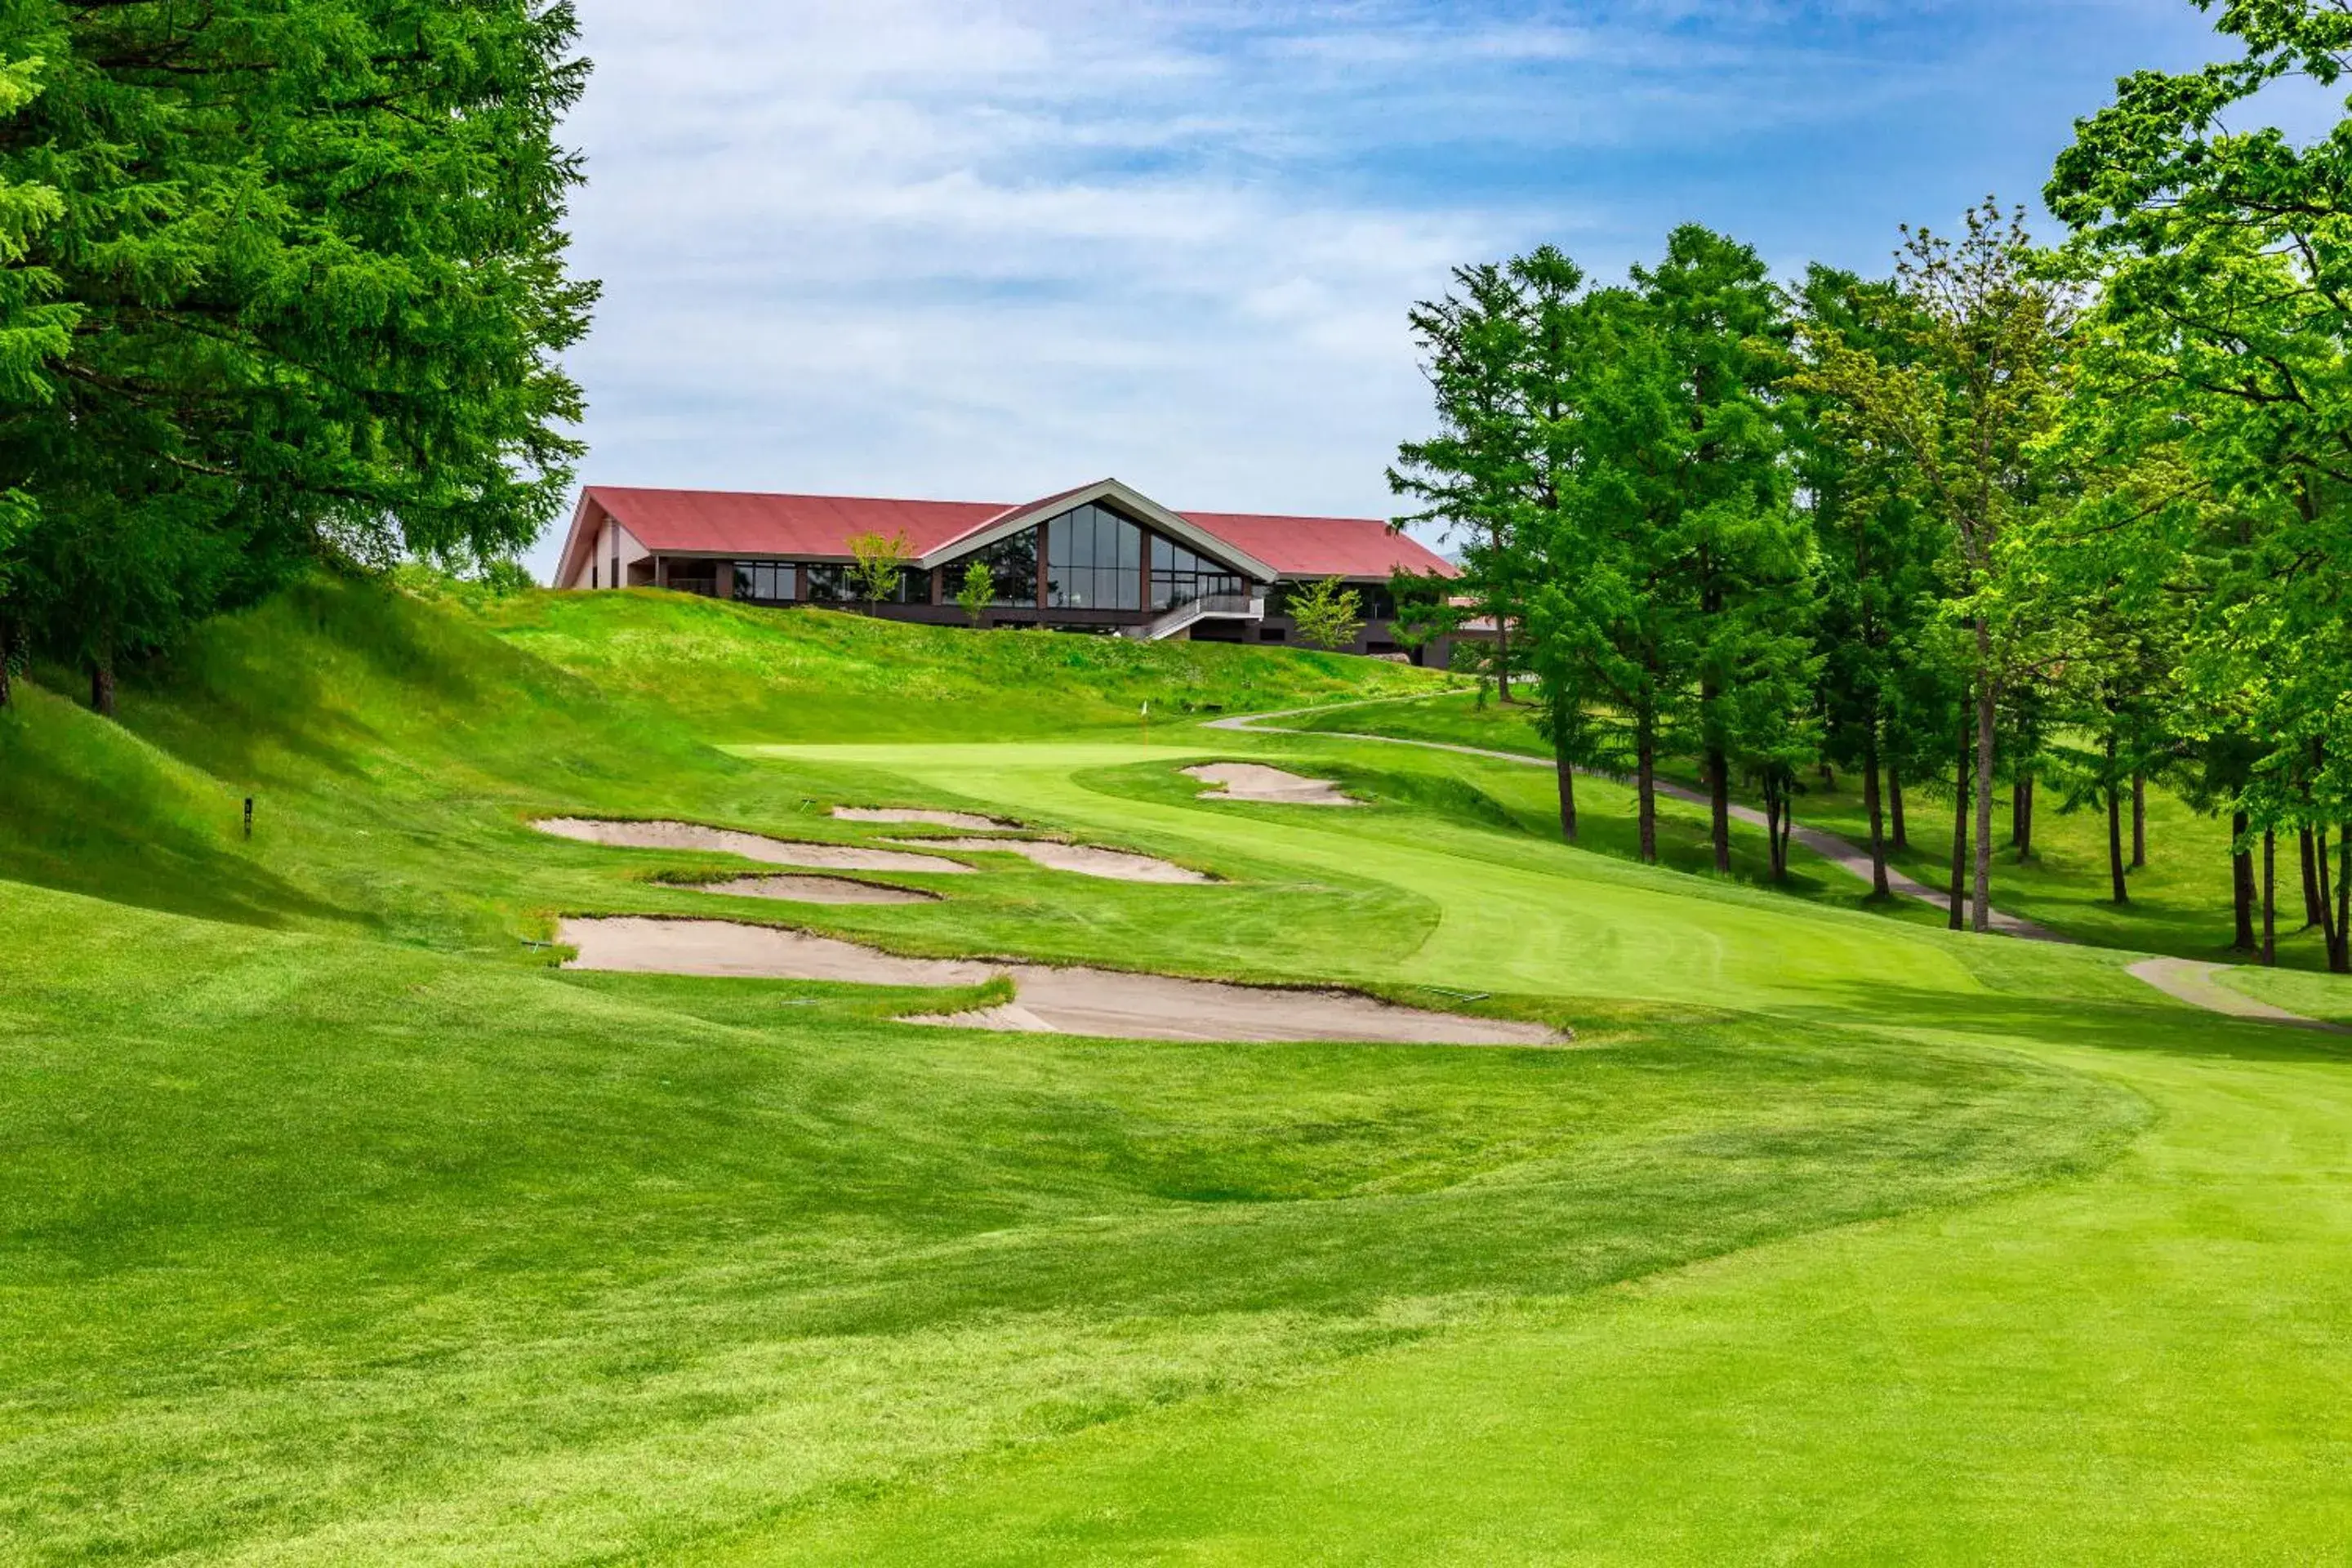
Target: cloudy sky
985 249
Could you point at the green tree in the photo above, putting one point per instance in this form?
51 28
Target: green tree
1746 554
317 252
1969 404
877 565
1473 477
1329 615
36 331
978 591
1875 550
2224 256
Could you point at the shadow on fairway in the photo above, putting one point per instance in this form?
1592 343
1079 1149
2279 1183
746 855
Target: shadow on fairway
2160 1025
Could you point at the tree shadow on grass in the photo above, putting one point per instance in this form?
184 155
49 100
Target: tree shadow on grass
2158 1025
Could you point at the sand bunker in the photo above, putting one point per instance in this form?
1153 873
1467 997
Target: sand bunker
814 891
749 846
1049 1001
970 820
1118 865
1253 781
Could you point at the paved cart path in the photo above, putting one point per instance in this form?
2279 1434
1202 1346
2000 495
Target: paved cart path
2181 979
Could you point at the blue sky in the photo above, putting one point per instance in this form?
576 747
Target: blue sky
985 250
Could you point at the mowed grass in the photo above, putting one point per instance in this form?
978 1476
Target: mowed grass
2179 902
340 1226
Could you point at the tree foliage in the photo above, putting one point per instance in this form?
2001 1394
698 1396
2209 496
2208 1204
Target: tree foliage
314 257
1328 613
877 564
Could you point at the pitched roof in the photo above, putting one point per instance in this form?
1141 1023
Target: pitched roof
746 524
1323 546
716 521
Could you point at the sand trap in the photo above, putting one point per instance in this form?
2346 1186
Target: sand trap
1118 865
1253 781
814 891
970 820
1050 1001
749 846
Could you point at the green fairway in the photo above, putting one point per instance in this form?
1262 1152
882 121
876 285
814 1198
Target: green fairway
2179 900
340 1225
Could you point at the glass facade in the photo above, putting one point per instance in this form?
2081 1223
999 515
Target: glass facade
767 582
832 583
1374 601
1179 576
1093 560
1012 567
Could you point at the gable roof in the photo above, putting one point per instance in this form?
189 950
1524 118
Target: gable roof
1323 546
747 524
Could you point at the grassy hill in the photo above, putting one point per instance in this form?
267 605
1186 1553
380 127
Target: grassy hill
339 1225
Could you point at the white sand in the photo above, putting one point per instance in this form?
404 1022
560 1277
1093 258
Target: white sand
1085 859
749 846
1254 781
1056 1001
814 891
970 820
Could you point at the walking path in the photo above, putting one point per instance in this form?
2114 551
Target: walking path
2180 978
2195 983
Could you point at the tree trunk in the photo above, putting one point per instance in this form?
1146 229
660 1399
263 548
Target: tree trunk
101 688
1502 647
1566 771
2327 932
2024 811
1870 803
2242 885
2339 959
2139 820
1981 920
2117 893
2269 898
2312 912
1787 831
1960 837
1772 825
7 651
1899 832
1718 804
1645 783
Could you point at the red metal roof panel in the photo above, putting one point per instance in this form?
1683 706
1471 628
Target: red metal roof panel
1323 546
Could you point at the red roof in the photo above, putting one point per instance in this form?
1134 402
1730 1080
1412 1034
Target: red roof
716 521
749 525
1322 546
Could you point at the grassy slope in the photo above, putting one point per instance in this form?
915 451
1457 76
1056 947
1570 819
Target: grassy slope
2180 899
346 1230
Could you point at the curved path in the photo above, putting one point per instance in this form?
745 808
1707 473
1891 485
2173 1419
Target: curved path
2181 979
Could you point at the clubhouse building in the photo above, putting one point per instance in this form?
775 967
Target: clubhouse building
1102 558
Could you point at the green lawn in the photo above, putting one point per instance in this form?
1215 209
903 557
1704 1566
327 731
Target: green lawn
2179 901
338 1225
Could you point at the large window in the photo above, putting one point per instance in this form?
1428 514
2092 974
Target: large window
1012 565
1093 560
767 582
1179 576
1374 601
834 584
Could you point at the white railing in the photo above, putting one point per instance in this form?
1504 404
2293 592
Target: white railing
1215 606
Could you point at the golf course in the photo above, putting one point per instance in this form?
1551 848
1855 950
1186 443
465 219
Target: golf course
350 1217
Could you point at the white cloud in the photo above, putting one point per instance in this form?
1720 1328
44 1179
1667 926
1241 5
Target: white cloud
986 248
